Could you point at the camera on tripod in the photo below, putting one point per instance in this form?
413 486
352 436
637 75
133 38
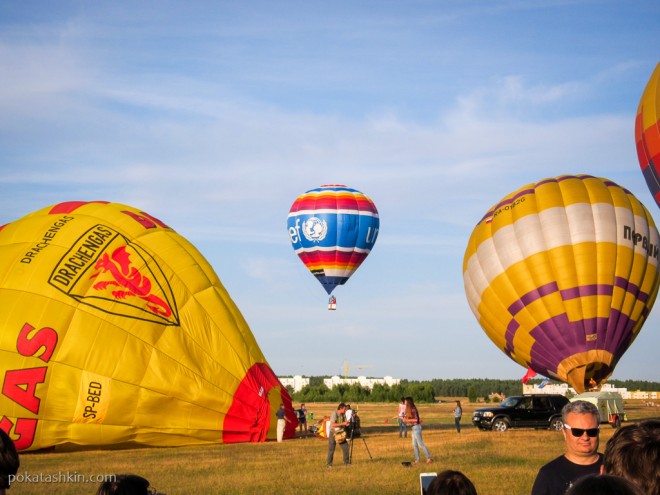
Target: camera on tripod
353 431
353 428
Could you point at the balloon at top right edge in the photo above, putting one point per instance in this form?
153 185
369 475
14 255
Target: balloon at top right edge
562 274
647 134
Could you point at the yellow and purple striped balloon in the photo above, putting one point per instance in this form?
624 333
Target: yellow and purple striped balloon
562 275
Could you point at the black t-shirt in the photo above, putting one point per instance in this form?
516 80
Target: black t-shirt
558 475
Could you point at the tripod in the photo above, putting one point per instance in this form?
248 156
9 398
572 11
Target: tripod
350 451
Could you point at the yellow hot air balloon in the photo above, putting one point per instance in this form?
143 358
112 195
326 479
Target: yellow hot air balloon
647 134
562 274
114 330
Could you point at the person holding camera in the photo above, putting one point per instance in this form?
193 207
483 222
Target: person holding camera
337 435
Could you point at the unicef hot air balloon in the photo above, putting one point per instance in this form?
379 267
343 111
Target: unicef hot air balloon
332 229
562 274
647 134
115 330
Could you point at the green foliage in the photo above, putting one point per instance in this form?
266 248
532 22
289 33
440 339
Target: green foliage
422 392
483 387
315 381
472 393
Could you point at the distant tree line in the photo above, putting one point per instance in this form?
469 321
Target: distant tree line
427 391
351 394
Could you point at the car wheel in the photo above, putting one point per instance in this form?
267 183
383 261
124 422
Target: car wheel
556 424
500 425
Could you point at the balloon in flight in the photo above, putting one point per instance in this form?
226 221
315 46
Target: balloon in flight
333 228
114 330
562 274
647 134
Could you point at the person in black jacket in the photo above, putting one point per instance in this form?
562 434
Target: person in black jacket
581 433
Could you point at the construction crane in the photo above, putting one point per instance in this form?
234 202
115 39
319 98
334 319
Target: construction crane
354 367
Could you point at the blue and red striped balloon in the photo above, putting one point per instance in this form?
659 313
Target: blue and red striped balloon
332 229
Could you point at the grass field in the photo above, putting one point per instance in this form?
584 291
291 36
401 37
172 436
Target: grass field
497 463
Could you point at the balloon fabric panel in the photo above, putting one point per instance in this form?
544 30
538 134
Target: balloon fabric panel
121 333
647 134
562 274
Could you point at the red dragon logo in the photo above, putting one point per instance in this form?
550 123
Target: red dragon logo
130 281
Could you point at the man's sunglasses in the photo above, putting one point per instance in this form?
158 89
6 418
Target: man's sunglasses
578 432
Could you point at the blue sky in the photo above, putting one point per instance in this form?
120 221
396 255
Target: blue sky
214 116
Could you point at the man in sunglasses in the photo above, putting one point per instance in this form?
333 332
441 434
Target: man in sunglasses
581 430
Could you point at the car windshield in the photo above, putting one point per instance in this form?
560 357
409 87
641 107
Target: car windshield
510 402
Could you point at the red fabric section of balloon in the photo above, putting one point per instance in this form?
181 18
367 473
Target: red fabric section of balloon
248 418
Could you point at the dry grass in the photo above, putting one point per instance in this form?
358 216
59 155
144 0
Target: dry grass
498 463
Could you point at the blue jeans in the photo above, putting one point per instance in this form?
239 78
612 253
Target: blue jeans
403 428
458 424
418 442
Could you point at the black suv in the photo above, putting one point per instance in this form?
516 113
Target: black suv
536 411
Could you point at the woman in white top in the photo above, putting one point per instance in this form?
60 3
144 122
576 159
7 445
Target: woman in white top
403 427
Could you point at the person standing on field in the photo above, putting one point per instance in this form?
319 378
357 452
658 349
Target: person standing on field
412 418
458 414
302 418
403 427
337 423
581 429
349 413
282 420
